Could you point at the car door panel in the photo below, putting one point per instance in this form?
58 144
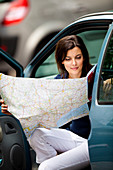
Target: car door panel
14 148
101 113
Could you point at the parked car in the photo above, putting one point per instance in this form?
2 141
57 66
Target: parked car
97 32
27 25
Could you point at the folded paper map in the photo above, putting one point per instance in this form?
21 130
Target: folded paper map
44 102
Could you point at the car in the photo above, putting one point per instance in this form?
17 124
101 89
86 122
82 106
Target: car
27 25
97 32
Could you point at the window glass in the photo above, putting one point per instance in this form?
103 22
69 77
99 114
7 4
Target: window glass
93 41
106 76
48 68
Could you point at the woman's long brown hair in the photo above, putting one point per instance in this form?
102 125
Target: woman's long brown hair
67 43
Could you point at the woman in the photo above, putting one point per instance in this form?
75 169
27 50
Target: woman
65 148
61 148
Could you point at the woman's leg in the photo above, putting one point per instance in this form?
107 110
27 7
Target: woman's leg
76 158
47 143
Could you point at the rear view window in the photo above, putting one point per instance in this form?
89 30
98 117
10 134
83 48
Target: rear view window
93 40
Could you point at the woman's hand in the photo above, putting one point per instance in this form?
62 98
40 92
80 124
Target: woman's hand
4 107
107 85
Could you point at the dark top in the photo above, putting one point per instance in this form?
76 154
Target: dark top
79 126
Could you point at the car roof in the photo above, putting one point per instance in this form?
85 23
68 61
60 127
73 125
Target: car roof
95 16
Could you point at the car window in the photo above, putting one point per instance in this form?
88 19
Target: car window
93 41
106 76
48 68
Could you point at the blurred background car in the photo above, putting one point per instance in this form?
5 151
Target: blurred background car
27 25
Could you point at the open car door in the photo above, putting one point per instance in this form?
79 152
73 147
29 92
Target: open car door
14 148
101 113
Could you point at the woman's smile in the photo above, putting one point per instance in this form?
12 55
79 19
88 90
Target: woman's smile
74 68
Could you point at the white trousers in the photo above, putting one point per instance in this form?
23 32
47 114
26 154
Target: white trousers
72 149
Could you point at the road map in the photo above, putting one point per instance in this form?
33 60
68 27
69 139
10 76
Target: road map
47 103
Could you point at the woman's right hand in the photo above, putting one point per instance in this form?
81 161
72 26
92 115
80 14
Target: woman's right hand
4 107
107 85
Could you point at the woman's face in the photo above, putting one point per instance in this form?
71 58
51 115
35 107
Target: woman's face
73 62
